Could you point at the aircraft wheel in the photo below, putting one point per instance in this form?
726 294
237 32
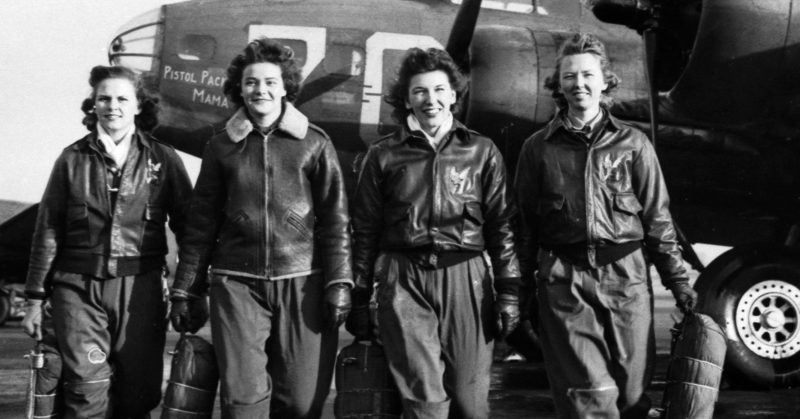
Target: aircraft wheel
754 294
5 308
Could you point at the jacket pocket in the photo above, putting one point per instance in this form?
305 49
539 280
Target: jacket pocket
548 204
471 228
396 221
296 221
627 224
77 232
154 214
473 212
553 218
237 228
396 213
628 203
153 237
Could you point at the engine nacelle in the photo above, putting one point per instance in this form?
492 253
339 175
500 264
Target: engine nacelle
743 64
506 97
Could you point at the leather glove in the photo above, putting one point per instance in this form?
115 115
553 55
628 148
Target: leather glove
32 323
188 315
358 321
506 309
337 305
685 296
527 303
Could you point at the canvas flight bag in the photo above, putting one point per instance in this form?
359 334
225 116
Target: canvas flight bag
45 399
695 369
192 385
365 388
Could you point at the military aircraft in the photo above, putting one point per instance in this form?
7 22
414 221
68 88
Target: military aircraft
726 135
722 79
721 103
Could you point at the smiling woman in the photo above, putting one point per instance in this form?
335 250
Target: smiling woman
115 101
101 228
263 90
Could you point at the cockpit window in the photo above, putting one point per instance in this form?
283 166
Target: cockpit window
517 6
560 7
347 60
137 43
197 47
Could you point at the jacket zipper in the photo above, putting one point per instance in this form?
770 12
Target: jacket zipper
588 202
267 229
436 191
589 180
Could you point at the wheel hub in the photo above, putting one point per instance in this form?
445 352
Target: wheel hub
773 319
767 319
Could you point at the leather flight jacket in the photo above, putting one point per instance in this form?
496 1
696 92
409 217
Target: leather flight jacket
448 201
601 192
267 206
101 220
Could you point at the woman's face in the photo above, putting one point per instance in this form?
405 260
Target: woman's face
262 90
116 105
582 82
430 97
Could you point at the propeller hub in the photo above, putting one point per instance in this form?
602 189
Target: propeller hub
635 14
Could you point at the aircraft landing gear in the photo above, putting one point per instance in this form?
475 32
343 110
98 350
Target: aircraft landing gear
5 308
753 292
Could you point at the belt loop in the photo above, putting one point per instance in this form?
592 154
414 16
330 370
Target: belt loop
112 266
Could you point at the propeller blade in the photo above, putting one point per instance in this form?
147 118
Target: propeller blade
462 31
650 43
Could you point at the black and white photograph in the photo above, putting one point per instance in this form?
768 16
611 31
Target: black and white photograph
433 209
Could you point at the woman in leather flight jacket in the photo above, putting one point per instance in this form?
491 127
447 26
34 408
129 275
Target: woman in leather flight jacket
430 199
593 200
98 252
269 217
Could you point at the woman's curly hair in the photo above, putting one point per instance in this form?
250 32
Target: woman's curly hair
263 50
582 43
418 61
147 118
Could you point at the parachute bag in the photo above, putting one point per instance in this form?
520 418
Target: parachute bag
365 388
45 399
192 385
695 368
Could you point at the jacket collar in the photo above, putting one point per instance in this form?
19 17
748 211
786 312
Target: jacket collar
138 137
292 122
407 134
558 123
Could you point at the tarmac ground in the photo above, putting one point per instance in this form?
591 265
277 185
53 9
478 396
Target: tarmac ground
518 389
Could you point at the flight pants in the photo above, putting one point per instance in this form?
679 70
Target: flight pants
435 328
275 357
597 335
111 335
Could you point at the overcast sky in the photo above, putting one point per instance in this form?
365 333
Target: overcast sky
47 48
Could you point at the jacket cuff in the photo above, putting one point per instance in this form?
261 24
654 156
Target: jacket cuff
35 295
671 282
189 281
176 294
346 281
508 286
